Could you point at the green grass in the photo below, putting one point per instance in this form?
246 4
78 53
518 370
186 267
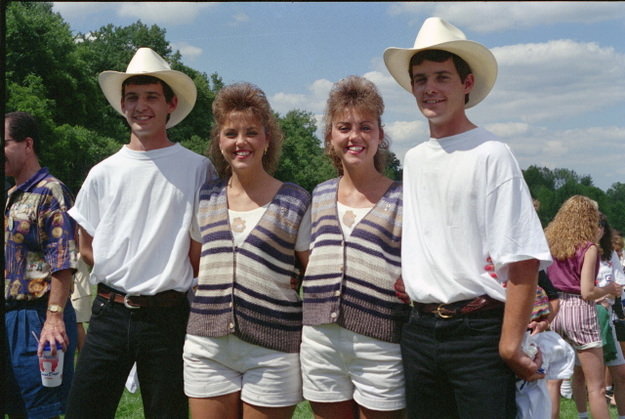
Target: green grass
130 408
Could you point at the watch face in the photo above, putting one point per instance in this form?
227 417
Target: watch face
55 308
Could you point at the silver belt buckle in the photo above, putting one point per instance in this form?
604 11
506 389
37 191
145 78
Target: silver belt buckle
127 303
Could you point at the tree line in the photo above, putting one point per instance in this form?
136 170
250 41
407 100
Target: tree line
52 73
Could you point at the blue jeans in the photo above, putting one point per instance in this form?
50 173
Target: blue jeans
453 368
117 338
25 395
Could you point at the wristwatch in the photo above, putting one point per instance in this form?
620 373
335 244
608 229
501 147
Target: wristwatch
55 308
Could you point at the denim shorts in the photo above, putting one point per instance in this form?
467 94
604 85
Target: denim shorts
25 395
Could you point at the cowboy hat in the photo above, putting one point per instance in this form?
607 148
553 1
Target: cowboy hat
148 63
436 33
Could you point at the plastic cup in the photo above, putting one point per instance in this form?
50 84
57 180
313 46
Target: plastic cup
51 366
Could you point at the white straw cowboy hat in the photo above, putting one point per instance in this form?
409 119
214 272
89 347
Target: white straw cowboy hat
439 34
148 63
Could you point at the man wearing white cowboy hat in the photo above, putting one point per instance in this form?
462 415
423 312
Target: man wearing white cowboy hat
471 239
135 212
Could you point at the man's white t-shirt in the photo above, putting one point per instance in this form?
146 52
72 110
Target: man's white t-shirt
465 200
138 207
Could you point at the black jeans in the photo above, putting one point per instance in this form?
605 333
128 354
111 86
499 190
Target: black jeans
118 337
453 368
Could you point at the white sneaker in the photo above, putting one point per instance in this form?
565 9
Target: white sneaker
565 389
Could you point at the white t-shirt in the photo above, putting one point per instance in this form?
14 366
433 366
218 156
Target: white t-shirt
610 271
243 222
138 207
465 200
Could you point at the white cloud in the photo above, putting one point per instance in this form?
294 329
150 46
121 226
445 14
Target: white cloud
284 102
314 101
160 13
406 133
165 13
508 129
583 150
500 16
320 90
188 51
75 9
555 80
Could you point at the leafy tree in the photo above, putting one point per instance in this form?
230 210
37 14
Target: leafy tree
76 150
393 167
615 206
199 121
197 144
30 96
553 187
39 43
302 161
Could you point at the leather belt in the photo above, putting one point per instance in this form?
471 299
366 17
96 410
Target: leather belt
459 308
163 299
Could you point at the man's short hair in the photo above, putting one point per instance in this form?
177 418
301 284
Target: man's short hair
440 56
21 126
142 80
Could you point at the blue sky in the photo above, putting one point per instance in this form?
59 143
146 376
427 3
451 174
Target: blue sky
559 100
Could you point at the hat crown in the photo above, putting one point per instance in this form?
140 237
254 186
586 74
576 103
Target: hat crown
146 60
436 31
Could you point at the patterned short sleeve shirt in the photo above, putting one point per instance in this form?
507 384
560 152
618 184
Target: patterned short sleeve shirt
39 236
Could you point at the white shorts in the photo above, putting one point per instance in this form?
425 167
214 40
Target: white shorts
224 365
339 365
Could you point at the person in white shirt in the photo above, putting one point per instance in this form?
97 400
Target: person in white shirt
135 211
465 203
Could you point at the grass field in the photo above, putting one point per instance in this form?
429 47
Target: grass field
130 408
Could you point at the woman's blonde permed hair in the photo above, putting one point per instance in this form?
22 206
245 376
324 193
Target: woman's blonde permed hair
575 223
250 102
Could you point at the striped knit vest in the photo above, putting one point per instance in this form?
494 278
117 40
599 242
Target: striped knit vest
246 290
351 282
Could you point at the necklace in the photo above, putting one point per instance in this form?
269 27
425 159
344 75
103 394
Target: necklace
349 217
238 225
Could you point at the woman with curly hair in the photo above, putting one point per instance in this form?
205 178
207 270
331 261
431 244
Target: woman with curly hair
241 353
610 270
572 238
350 353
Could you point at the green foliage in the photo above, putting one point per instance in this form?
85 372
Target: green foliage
197 144
302 161
30 96
198 122
553 187
393 167
40 43
73 151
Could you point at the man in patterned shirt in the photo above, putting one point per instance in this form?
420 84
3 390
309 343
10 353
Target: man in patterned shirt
40 259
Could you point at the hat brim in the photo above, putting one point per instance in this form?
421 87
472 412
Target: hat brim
181 84
481 60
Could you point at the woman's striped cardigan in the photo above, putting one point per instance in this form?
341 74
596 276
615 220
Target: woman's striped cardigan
246 290
351 282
